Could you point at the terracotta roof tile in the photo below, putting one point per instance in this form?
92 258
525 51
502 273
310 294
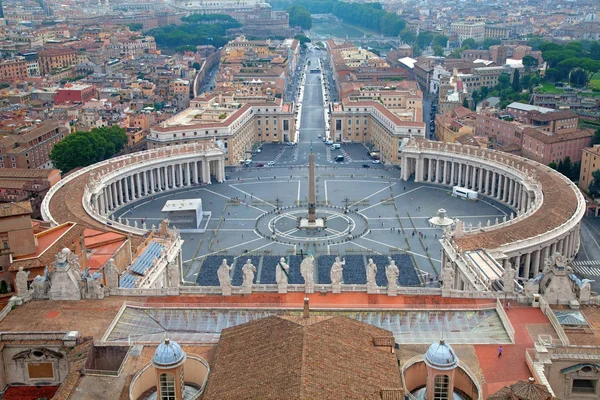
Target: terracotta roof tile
295 358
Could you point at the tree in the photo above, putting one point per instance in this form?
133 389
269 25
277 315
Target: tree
489 42
469 43
136 27
596 137
408 36
503 82
553 165
529 63
196 65
577 78
516 83
440 40
438 51
302 39
81 149
594 187
465 103
299 16
424 39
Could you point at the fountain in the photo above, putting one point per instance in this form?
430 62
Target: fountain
441 219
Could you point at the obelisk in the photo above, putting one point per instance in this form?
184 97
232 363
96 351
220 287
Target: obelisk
312 215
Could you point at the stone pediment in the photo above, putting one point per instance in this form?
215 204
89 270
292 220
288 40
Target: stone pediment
38 354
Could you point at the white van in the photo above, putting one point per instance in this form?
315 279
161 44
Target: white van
463 193
248 161
335 146
328 142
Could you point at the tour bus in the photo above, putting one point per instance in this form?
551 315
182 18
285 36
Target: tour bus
463 193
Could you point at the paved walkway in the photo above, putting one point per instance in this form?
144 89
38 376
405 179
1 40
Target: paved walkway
505 370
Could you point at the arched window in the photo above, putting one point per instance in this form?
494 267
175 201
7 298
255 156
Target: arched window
440 387
167 387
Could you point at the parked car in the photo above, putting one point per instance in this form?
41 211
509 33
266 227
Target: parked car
376 161
366 166
271 163
260 165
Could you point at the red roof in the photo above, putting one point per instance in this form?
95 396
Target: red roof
29 392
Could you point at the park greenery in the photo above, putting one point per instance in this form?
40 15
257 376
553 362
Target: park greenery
197 29
302 39
81 149
370 16
574 62
299 16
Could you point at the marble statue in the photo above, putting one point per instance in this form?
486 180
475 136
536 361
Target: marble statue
40 287
248 271
112 274
585 290
281 275
224 278
307 270
448 277
371 276
163 228
66 281
392 273
21 283
508 278
336 273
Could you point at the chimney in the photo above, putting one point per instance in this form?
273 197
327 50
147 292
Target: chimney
306 309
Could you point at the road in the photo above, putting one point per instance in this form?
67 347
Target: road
587 261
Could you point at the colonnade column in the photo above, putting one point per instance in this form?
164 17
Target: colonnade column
459 174
429 170
452 172
151 181
487 181
526 265
206 171
138 190
108 190
173 176
438 171
145 179
536 263
473 177
480 188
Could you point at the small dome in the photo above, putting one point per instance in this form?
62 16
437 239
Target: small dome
441 356
168 355
591 18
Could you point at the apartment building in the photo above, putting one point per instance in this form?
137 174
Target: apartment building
13 70
75 93
53 59
590 162
497 31
469 30
31 149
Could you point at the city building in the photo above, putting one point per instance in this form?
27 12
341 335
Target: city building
590 162
75 93
14 70
21 184
469 30
31 148
51 60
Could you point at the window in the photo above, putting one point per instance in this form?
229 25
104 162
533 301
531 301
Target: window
440 387
167 387
584 386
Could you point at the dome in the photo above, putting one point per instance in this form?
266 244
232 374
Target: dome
168 355
441 356
591 18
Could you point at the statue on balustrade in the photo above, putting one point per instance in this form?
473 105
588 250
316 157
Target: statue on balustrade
282 275
21 283
307 270
224 278
508 278
392 273
448 275
248 271
371 276
336 273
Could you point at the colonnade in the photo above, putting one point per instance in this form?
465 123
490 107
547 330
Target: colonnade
156 178
486 180
503 185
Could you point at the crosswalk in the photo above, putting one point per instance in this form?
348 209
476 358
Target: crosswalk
587 267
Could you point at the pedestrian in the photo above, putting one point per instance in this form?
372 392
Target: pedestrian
508 305
500 351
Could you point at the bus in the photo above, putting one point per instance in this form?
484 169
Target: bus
463 193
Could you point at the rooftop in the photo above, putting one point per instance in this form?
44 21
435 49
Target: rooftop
324 358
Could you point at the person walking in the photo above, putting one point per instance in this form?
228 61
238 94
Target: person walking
500 351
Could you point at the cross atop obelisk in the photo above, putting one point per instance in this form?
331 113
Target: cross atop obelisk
312 216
